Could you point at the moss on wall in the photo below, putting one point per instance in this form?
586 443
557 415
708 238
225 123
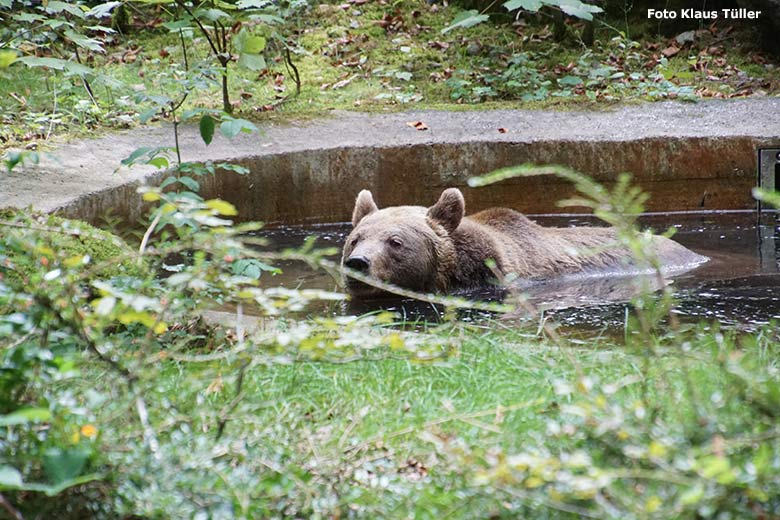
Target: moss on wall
24 234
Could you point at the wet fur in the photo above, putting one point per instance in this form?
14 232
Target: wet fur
449 251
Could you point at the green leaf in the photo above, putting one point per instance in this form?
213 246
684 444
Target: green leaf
252 268
60 486
466 19
102 10
762 459
159 162
237 168
56 24
13 158
267 18
245 41
252 4
570 80
770 197
185 23
56 7
24 416
577 8
100 28
692 495
10 478
207 127
527 5
84 42
222 207
56 64
62 465
7 58
29 17
254 62
211 15
232 127
145 116
137 154
190 183
249 48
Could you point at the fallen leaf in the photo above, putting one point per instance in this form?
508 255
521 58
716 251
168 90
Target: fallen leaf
670 51
439 45
343 83
418 125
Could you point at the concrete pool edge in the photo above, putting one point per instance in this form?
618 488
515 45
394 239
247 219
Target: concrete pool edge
687 156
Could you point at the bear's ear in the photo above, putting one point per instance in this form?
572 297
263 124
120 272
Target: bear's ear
364 205
449 210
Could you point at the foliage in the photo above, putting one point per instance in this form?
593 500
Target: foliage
71 39
608 454
589 78
574 8
239 31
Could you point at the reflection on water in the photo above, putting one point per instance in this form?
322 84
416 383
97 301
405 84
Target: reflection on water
739 286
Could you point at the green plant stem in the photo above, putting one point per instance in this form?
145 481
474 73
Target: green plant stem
84 80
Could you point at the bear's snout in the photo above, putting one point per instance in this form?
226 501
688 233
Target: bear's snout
358 263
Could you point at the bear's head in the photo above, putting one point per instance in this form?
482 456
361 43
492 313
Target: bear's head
407 246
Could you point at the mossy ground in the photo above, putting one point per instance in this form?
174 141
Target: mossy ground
66 239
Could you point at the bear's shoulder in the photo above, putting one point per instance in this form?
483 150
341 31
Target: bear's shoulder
505 220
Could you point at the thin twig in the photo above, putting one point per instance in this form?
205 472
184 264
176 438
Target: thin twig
19 341
296 74
15 514
205 32
148 234
53 115
184 50
84 79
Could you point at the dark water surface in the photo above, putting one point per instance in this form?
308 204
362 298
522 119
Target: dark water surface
739 286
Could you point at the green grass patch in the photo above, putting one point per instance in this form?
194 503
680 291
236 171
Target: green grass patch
490 431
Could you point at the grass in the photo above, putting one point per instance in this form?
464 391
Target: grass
401 439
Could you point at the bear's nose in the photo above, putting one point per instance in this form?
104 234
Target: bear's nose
358 263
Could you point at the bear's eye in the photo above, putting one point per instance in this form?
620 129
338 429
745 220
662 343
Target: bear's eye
395 242
354 241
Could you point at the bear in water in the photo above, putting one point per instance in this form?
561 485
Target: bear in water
439 249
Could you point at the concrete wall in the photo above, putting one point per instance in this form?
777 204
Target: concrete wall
321 185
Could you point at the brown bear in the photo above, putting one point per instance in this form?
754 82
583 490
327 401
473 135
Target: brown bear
439 249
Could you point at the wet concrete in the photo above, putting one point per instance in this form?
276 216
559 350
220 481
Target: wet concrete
687 156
